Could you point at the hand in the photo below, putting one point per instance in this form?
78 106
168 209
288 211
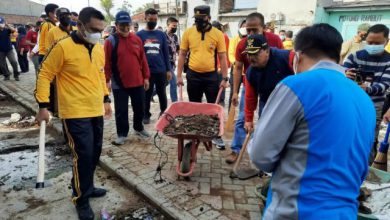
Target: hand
248 127
146 84
180 81
235 99
386 117
169 75
108 86
31 54
107 110
363 86
224 84
43 115
350 73
21 53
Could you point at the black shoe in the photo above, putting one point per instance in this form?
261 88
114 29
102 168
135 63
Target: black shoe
17 78
146 121
6 78
98 192
84 211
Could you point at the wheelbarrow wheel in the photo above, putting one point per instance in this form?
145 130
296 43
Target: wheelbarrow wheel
186 158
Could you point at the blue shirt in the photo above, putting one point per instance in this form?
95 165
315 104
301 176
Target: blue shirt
315 136
156 49
5 40
379 65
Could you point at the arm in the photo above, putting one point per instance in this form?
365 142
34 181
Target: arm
232 50
49 40
250 103
28 39
279 118
107 64
237 75
165 51
344 50
223 62
180 62
144 63
379 88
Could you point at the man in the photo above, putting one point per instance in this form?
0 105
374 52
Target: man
62 30
355 44
373 59
135 27
315 134
232 54
74 19
288 43
282 35
254 25
127 68
270 27
49 23
268 67
174 47
6 51
31 40
204 43
81 92
156 49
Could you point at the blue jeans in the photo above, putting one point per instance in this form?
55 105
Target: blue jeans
239 131
173 88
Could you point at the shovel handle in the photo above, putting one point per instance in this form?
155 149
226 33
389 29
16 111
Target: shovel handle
242 151
386 140
41 156
219 95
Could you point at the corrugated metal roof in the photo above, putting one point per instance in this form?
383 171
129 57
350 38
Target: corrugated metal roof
21 7
241 13
359 5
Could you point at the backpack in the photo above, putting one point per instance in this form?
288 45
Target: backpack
114 40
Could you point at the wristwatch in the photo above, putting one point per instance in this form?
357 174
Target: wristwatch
225 79
106 99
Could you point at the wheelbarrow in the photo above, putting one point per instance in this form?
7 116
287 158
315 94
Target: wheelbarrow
186 154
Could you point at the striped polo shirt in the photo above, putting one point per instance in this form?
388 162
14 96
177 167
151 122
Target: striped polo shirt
379 65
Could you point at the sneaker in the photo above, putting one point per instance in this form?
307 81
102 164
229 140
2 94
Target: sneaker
84 211
17 78
119 141
143 134
219 143
231 158
146 121
6 78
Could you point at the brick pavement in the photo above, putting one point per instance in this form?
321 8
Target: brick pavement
210 193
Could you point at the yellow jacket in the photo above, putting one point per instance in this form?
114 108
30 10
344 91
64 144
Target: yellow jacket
45 28
232 48
55 34
79 72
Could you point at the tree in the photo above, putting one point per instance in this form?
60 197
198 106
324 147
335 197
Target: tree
144 8
126 6
107 5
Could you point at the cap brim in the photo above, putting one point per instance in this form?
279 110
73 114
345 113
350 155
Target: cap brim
200 15
123 21
251 51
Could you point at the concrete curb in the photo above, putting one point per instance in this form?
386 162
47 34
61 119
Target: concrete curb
142 187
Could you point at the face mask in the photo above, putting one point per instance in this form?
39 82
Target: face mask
65 21
73 23
200 23
242 32
151 24
92 38
173 30
295 62
375 49
282 37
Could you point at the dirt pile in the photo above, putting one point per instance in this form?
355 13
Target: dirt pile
200 125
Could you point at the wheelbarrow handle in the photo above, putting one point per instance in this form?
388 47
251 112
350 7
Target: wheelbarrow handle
181 93
219 95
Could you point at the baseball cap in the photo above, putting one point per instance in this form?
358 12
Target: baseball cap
202 10
122 17
255 43
364 27
62 11
2 21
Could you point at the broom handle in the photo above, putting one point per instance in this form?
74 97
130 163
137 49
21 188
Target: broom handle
386 140
219 95
242 152
41 156
180 93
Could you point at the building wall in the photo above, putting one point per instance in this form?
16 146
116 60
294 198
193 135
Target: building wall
296 14
21 7
18 19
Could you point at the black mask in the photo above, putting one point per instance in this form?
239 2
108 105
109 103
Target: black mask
151 24
200 24
65 21
173 30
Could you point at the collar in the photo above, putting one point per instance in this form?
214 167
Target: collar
52 22
326 64
64 29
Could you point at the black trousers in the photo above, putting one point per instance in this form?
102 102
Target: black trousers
158 80
202 83
121 100
85 139
52 95
23 61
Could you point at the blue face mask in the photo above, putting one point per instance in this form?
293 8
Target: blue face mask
375 49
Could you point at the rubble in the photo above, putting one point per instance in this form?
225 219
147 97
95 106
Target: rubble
17 121
200 125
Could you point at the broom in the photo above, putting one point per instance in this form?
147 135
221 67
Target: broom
230 121
380 161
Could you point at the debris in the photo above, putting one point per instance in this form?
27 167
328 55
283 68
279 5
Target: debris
15 117
141 213
378 202
17 187
201 125
105 215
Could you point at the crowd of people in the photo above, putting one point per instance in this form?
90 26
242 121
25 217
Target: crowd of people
311 104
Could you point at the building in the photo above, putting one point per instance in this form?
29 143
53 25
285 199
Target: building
20 11
346 15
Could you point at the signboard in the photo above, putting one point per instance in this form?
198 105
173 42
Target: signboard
245 4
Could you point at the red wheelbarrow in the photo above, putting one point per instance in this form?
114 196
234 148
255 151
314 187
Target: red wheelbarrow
187 153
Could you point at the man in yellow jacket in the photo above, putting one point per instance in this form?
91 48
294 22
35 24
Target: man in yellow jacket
62 30
48 24
77 62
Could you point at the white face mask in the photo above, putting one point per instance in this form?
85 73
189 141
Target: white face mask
295 62
242 31
92 38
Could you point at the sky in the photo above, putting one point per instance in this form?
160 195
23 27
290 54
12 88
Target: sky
77 5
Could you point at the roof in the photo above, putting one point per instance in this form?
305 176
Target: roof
239 13
21 7
138 17
359 5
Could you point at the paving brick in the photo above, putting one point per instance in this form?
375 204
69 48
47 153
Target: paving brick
211 214
247 207
228 202
254 215
216 183
200 210
212 175
232 187
204 188
239 197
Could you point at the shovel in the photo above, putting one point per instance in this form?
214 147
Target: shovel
41 157
244 173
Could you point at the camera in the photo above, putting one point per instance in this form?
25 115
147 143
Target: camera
362 76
